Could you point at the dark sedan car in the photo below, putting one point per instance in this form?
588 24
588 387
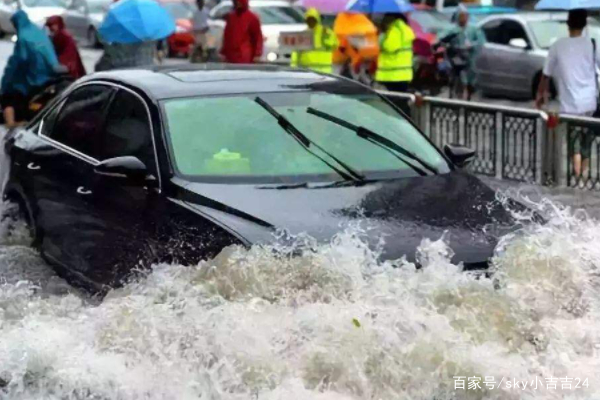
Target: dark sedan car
134 167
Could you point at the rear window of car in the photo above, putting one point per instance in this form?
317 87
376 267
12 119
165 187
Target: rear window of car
235 138
549 31
279 15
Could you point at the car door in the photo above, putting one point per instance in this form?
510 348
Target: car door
500 63
518 54
61 172
76 19
126 209
490 64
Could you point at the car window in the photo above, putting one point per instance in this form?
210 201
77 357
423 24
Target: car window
179 10
221 12
249 144
80 120
45 3
99 6
513 30
546 32
492 31
278 15
503 31
127 130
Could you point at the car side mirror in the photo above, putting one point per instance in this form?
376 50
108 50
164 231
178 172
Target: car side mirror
460 155
127 168
519 43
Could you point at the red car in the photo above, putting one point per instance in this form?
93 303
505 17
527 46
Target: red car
180 43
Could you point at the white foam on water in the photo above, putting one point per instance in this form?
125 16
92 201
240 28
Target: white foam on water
330 324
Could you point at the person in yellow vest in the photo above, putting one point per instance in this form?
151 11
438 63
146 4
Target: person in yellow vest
395 61
320 57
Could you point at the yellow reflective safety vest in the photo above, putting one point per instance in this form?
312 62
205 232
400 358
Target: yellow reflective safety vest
320 58
395 61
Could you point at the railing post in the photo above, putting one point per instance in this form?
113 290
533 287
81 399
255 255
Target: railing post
561 154
540 136
426 120
499 145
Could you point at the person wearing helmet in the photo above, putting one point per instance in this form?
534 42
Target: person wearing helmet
320 57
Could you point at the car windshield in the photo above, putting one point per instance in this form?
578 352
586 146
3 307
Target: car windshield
99 7
431 22
549 31
279 15
179 10
44 3
235 139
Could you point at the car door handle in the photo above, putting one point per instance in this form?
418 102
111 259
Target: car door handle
82 190
33 166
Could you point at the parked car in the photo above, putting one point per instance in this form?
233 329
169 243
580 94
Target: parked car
37 11
180 42
82 18
133 167
512 60
275 16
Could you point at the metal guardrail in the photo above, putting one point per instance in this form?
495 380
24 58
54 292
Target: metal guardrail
578 135
510 142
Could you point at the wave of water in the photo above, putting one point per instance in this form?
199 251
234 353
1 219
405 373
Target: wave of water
333 323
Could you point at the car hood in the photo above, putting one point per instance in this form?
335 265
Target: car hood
401 212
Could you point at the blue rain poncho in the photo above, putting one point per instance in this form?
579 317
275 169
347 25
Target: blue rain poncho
33 62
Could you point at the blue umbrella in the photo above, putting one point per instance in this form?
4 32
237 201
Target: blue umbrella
379 6
567 4
134 21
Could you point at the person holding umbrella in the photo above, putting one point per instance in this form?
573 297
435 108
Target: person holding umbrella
129 33
572 63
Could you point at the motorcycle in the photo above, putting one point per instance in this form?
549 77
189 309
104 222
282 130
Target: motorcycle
61 81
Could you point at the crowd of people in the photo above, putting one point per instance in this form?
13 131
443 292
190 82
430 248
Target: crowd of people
40 55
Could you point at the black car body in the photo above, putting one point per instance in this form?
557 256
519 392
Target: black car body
103 174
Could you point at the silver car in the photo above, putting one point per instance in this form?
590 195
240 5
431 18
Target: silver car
83 18
37 11
511 62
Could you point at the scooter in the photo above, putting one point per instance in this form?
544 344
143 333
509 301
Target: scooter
61 81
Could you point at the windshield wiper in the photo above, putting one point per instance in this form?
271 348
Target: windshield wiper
305 142
376 139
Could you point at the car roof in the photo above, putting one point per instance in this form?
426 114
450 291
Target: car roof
191 80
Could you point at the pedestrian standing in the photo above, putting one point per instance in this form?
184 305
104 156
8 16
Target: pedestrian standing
324 43
572 63
465 41
242 38
395 61
65 47
200 28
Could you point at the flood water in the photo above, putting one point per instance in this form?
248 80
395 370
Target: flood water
332 324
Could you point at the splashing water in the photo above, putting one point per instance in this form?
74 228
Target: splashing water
333 323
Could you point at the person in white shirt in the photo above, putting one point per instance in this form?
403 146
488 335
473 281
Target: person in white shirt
200 27
572 63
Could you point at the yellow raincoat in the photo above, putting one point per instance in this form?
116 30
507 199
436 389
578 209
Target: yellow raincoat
320 58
